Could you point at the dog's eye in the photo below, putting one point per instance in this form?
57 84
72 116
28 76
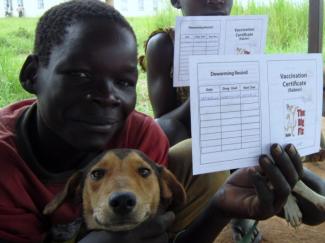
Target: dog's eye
144 172
97 174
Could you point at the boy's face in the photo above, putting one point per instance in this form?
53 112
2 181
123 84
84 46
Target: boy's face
204 7
88 88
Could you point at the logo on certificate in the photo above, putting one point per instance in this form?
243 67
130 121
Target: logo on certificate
294 121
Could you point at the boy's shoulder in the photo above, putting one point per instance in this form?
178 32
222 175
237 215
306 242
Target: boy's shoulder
162 36
15 107
140 125
160 44
10 114
137 118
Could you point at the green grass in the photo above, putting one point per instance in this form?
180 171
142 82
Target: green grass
16 41
287 33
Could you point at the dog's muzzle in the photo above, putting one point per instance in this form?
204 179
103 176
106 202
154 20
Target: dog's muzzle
122 203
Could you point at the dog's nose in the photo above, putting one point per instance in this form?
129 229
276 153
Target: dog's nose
122 202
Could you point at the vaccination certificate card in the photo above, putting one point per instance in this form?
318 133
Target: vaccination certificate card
240 105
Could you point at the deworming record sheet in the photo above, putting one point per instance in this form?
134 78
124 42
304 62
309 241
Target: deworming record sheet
242 104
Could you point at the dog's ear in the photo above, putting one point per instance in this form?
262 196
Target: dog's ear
172 191
72 189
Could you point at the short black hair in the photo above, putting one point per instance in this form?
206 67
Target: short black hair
52 26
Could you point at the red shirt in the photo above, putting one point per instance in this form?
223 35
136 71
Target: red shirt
24 191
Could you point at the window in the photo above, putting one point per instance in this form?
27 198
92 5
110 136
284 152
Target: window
124 5
40 4
155 5
8 7
140 5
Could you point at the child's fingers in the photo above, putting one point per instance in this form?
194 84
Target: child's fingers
281 188
295 158
283 161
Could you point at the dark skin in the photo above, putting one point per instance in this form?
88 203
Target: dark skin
68 123
283 170
174 118
100 59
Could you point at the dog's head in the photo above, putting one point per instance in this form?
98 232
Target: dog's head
121 189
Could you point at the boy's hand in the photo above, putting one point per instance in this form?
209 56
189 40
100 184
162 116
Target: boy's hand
151 231
261 192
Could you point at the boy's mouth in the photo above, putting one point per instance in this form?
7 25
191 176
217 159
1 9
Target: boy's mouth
214 13
100 126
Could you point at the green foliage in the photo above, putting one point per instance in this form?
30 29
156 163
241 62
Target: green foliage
287 26
287 32
16 41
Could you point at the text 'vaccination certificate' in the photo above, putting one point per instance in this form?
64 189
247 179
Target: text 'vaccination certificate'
240 105
215 35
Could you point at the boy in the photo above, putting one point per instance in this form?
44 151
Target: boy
83 72
171 106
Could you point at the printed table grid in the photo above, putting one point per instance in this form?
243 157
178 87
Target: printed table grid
196 44
229 117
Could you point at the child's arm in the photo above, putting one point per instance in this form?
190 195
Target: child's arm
159 59
257 193
173 116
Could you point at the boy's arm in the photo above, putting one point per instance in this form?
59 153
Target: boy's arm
257 193
162 94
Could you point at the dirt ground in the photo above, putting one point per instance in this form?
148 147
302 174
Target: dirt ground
276 230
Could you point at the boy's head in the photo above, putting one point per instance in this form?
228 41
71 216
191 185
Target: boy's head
203 7
52 26
83 72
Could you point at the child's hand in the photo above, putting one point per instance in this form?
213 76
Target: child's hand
151 231
261 192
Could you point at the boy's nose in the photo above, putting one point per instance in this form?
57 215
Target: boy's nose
105 95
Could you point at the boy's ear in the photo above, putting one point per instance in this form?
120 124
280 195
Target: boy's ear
28 74
176 3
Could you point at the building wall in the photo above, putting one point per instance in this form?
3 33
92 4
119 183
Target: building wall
139 7
32 8
35 8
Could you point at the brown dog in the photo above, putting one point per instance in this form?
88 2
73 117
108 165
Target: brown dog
121 189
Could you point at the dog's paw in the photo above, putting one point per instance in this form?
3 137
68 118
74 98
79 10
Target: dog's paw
292 212
320 204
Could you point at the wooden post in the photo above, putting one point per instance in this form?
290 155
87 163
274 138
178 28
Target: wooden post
315 33
315 30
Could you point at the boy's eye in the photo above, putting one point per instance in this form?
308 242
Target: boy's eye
125 83
80 74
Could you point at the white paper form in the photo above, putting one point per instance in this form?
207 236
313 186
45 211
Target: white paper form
214 35
240 105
